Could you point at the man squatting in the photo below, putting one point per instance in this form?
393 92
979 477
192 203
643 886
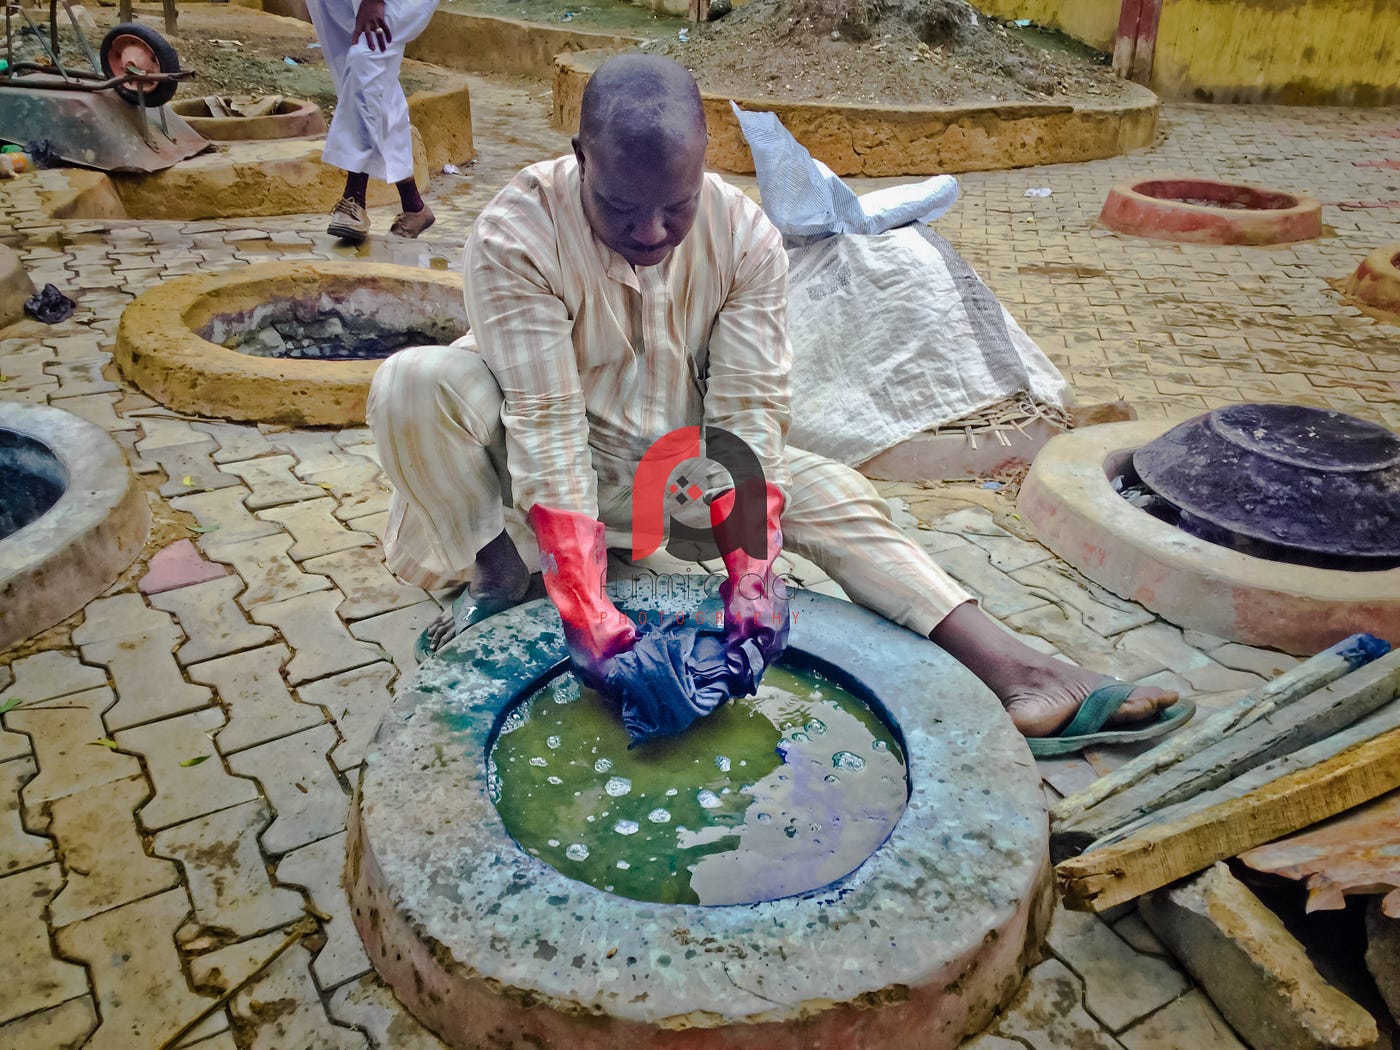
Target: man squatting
615 295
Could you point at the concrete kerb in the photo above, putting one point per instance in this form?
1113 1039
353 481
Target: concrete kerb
159 349
915 949
1068 501
473 43
878 140
56 564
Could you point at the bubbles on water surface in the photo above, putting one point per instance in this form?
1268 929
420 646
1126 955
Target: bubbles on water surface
708 799
847 760
659 816
576 851
816 727
555 780
554 741
626 827
602 765
617 786
722 762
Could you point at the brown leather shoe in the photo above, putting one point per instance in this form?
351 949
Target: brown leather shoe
412 223
349 221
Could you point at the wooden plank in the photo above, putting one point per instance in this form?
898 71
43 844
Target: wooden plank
1300 724
1158 855
1312 674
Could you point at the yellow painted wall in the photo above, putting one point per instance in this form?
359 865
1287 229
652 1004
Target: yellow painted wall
1093 21
1299 52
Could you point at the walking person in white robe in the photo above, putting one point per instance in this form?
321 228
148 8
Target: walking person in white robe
370 136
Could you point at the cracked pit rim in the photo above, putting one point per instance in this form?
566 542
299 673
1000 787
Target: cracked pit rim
1206 211
921 944
1068 501
80 522
164 344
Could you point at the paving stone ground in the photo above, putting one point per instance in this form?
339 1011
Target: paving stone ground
238 688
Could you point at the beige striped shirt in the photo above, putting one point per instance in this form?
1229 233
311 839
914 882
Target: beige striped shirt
596 360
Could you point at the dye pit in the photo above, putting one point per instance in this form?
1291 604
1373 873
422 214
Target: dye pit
291 330
777 794
32 479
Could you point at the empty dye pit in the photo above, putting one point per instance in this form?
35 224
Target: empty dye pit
752 928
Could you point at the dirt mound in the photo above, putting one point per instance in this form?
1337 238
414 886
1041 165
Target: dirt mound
903 52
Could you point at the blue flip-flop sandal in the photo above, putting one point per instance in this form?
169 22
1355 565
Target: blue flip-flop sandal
1085 729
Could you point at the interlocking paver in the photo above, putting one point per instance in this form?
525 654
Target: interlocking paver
318 868
1163 642
225 872
296 776
1120 985
397 632
314 528
189 469
211 620
78 377
272 481
34 979
159 431
1007 551
95 408
236 441
1001 595
1082 645
263 564
63 736
149 683
62 1027
178 565
1267 663
316 634
357 700
223 512
1101 611
260 706
369 588
1046 1014
45 676
119 617
18 848
184 791
299 1021
131 954
368 1003
102 853
1190 1021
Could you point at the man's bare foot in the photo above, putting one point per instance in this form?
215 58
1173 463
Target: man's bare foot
500 579
1040 693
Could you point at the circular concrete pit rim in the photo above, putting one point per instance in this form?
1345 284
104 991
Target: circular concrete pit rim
935 928
159 350
299 117
69 555
1133 209
1068 501
1376 281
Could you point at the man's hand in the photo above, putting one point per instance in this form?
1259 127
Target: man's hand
372 25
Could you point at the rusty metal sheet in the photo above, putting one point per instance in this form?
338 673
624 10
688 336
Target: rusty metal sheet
96 129
1357 852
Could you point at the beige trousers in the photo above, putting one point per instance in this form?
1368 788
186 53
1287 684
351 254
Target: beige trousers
435 414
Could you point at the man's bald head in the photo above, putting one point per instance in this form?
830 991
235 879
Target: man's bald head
646 100
641 154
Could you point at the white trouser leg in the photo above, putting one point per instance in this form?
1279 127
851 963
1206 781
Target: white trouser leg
436 416
370 130
835 518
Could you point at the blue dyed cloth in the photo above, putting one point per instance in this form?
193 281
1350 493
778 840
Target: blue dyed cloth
675 674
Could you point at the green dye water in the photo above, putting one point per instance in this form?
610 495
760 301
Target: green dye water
772 795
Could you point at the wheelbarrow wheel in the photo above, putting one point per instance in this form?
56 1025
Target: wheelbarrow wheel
129 45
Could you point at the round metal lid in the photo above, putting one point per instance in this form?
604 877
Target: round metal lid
1303 478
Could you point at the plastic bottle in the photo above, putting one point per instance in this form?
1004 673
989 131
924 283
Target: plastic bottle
12 163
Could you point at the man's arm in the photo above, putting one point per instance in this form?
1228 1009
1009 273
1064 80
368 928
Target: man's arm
749 354
524 333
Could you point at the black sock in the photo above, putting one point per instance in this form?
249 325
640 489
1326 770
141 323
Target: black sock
409 197
356 184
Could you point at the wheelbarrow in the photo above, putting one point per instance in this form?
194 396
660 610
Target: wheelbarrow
111 115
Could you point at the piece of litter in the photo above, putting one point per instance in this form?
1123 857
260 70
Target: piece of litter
313 47
451 169
993 484
10 704
290 60
1022 22
109 744
49 305
226 43
187 480
568 17
194 761
1039 191
683 36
